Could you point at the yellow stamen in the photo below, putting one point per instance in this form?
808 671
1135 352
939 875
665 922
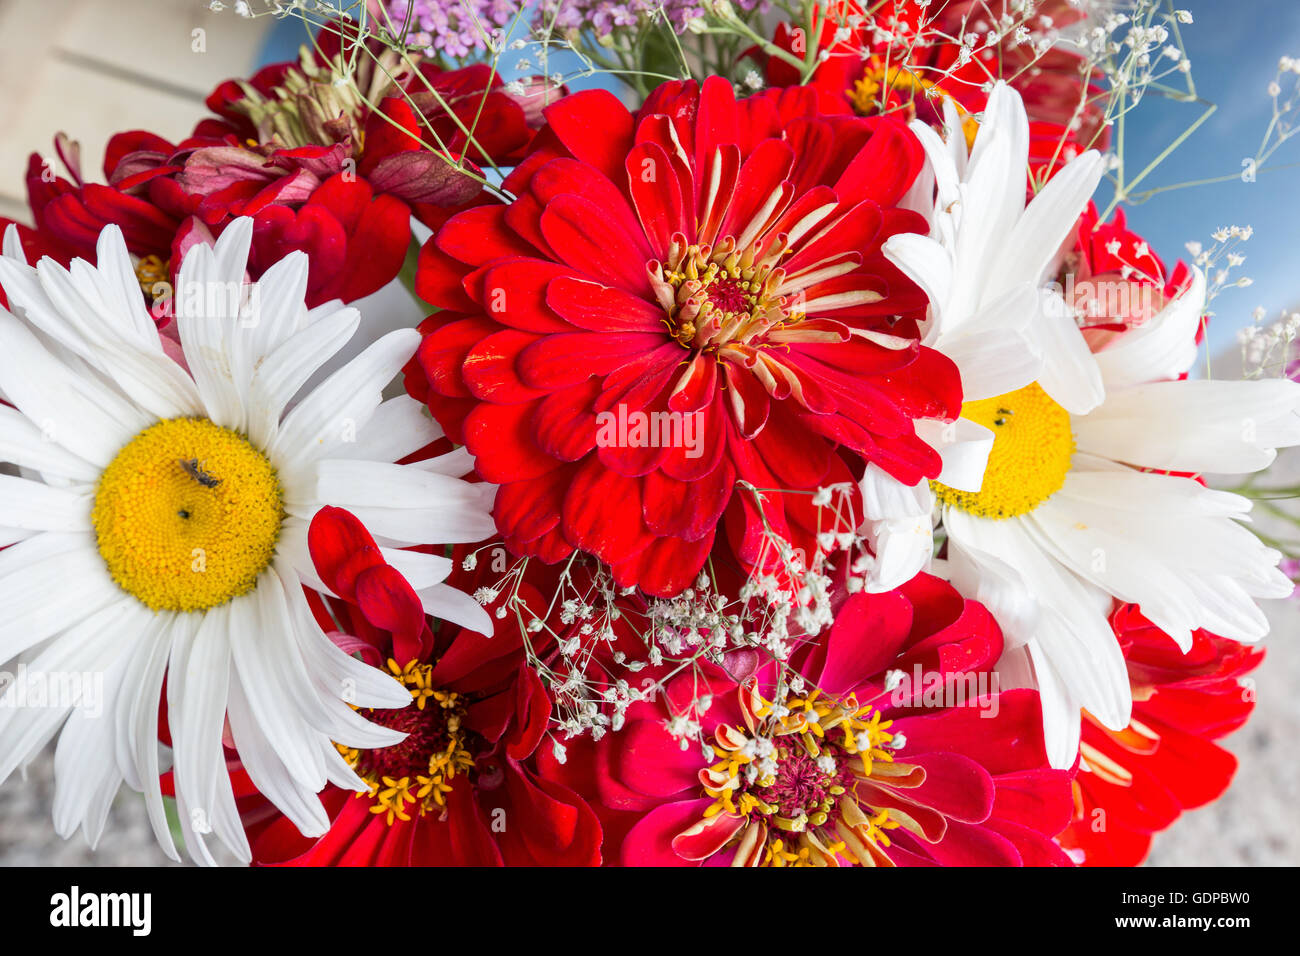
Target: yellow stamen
150 271
427 791
802 729
867 100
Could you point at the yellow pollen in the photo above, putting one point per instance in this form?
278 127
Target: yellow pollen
426 789
866 95
187 515
717 295
150 271
808 832
1032 447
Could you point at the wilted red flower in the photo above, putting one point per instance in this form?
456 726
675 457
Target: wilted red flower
1136 782
707 271
456 790
887 742
307 159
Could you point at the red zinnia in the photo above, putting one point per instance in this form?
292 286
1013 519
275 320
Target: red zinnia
908 57
1137 782
886 742
708 264
456 791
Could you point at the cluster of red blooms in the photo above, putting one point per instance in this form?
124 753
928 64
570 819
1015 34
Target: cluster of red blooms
715 258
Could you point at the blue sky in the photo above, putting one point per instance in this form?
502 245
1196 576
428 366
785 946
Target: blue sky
1234 46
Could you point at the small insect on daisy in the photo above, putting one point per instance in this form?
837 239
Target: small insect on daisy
193 468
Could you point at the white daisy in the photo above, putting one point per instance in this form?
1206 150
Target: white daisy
158 530
1064 519
983 267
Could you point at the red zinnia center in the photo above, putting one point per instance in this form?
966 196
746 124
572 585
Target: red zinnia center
807 786
717 296
730 295
416 772
789 784
429 730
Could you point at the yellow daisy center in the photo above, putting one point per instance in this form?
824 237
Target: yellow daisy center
1031 453
187 515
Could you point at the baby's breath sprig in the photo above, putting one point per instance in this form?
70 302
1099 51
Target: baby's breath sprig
599 648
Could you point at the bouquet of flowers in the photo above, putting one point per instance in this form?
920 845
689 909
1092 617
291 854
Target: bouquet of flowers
800 464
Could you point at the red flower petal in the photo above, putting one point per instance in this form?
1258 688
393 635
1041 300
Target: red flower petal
582 237
602 513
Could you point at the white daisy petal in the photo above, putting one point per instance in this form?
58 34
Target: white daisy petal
13 244
399 427
1237 425
1070 374
275 312
86 776
455 463
420 570
207 313
1061 726
98 313
1165 544
80 317
448 604
79 412
79 654
1004 118
267 772
343 404
279 375
407 505
136 714
40 507
964 446
1035 599
197 690
293 551
1038 235
1162 347
336 673
274 686
994 355
48 583
990 201
24 444
120 287
321 693
898 526
927 263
